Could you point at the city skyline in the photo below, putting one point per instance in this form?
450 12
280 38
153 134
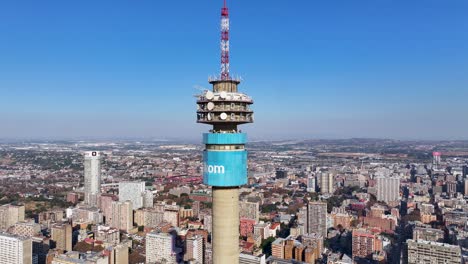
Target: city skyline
341 70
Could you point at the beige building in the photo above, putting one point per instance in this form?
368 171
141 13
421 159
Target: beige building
75 258
107 234
27 229
326 182
122 216
61 234
194 249
10 215
118 254
466 187
160 247
105 204
428 234
15 249
428 252
149 217
249 210
172 217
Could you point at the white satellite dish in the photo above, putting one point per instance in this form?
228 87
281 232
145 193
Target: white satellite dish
210 106
223 116
209 116
223 95
209 95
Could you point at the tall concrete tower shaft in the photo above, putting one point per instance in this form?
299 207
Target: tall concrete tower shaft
225 157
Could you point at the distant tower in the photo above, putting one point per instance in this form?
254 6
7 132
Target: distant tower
225 157
316 218
388 189
132 191
311 183
436 159
92 177
326 182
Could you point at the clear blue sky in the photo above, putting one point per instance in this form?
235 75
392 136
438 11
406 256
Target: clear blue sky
318 69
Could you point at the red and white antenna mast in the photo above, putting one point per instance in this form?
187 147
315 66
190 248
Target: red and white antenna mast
225 43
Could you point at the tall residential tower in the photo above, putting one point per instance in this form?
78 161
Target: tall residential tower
225 157
92 177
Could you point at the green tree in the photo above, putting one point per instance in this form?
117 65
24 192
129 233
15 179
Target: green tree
266 246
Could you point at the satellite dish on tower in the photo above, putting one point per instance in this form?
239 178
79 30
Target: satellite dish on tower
210 106
223 116
209 95
223 95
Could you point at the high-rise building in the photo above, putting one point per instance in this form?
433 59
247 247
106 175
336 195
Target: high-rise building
160 247
249 210
90 215
451 187
464 171
262 230
92 177
289 249
225 156
326 182
172 216
250 259
118 254
73 198
388 189
148 199
428 234
122 216
132 191
311 183
196 208
194 249
277 248
315 242
61 235
149 217
27 229
314 218
466 187
421 251
10 215
208 223
436 159
364 243
105 204
80 258
15 249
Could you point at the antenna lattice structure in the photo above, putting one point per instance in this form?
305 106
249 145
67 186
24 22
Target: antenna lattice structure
225 43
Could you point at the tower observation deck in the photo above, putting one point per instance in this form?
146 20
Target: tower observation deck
225 156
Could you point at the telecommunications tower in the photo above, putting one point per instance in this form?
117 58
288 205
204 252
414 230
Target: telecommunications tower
225 157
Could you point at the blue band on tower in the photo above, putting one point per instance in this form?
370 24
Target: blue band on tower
224 138
225 168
